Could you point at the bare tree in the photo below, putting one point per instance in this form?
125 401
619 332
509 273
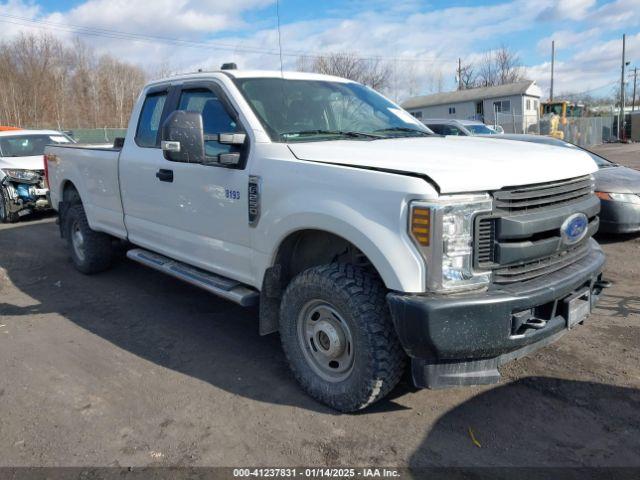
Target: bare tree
435 81
48 84
499 67
371 72
508 65
468 76
487 72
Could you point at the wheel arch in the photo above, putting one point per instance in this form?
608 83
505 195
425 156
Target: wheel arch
70 192
303 248
69 195
309 247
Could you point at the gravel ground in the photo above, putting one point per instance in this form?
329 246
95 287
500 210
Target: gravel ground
132 368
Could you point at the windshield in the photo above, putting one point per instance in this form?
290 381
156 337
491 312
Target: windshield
574 111
555 108
305 110
477 129
29 145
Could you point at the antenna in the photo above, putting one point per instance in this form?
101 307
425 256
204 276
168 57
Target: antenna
284 103
279 37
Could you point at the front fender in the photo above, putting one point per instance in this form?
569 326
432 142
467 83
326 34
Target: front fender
396 262
367 208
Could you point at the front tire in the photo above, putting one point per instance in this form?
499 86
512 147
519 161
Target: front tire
6 215
337 334
91 251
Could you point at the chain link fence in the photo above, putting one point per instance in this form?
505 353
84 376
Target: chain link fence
582 131
96 135
90 135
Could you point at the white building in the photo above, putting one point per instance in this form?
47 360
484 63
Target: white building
516 105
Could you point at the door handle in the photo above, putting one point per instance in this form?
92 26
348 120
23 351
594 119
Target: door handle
164 175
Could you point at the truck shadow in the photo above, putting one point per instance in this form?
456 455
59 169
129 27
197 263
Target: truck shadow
608 238
536 422
155 317
613 305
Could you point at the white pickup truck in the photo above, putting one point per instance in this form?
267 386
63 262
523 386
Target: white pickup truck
368 242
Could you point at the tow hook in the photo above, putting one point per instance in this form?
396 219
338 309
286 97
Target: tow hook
525 320
535 323
602 284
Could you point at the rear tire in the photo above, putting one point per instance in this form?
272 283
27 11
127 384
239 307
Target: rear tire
337 334
6 216
91 251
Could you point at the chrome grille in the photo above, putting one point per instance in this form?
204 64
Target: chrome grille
542 195
517 241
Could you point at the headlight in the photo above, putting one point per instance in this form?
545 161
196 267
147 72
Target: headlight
619 197
443 232
18 175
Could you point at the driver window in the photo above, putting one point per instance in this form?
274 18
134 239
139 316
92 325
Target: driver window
215 119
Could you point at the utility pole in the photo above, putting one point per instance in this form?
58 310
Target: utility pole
621 116
553 61
635 82
459 74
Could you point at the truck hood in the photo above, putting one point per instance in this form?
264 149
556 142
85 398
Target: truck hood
25 163
456 164
618 180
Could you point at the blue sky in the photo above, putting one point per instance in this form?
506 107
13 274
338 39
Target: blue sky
422 38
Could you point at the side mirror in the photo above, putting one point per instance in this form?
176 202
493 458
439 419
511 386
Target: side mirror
183 140
182 137
232 138
230 159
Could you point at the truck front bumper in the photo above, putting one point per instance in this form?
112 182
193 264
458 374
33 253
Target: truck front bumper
462 339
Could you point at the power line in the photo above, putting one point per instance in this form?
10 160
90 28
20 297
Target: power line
593 89
120 35
279 37
100 32
553 62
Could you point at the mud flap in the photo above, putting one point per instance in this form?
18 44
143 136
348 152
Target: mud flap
63 207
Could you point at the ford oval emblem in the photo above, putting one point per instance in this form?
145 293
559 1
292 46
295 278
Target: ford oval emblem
574 228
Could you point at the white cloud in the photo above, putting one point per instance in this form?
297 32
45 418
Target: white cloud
567 10
10 27
421 44
163 17
594 67
617 14
569 40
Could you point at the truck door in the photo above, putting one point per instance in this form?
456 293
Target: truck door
190 212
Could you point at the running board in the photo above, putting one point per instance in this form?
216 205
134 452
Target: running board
221 286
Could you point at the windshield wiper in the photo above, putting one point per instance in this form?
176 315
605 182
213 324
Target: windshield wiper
404 129
332 132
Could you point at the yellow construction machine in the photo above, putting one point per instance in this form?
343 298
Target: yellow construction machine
554 115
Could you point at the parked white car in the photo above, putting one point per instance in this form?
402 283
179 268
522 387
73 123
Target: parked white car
22 188
368 241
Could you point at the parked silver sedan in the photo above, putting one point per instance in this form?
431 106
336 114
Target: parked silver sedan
618 187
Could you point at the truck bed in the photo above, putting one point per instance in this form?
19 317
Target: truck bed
93 170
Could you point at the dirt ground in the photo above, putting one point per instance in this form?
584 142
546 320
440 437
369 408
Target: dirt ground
132 368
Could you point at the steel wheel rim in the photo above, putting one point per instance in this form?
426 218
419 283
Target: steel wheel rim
326 341
77 240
